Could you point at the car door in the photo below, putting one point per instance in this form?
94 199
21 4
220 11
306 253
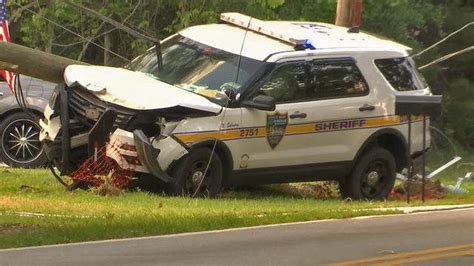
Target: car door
345 111
277 137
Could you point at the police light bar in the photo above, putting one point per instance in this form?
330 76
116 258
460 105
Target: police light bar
266 29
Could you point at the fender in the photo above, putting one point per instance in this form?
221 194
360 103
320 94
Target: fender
222 149
385 132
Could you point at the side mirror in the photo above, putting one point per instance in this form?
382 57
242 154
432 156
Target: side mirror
260 102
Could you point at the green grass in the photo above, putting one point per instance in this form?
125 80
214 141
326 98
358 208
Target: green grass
83 216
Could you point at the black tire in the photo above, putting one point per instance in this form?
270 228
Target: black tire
19 142
372 178
186 173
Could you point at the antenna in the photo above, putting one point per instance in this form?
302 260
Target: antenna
239 60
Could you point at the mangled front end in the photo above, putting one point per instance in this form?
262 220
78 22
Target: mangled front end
92 110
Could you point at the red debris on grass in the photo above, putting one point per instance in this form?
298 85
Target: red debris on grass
96 169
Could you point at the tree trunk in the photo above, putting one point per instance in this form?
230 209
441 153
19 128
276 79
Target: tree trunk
107 46
51 34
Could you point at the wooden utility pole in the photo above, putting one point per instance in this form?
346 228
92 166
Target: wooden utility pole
349 13
34 63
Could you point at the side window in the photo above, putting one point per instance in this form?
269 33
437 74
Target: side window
286 83
400 73
1 79
336 78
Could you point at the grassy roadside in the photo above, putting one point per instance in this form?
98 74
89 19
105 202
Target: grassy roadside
84 216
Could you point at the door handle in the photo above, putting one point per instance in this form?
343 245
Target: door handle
366 107
298 115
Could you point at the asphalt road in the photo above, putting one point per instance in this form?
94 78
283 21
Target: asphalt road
312 243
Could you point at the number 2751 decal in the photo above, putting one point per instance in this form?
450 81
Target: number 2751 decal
249 132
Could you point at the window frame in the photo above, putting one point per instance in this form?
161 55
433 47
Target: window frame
276 68
307 64
344 59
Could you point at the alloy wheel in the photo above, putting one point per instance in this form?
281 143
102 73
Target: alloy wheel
20 141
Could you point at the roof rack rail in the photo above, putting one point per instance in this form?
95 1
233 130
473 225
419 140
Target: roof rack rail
266 29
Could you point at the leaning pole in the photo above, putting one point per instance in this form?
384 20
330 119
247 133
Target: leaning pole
34 63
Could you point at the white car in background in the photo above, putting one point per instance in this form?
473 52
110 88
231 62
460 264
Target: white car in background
281 102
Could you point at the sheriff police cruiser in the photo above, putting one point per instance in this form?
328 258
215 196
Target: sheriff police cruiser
272 101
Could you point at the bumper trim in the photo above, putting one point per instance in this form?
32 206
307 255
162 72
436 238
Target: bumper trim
148 155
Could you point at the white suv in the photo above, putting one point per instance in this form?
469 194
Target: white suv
277 101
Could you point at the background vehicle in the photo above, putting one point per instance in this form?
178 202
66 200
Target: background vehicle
19 132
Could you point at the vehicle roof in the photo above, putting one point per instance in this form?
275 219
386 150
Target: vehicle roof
258 46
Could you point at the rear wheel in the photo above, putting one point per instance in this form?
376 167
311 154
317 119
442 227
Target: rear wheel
190 174
372 178
20 144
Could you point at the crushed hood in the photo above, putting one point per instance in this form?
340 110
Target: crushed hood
134 90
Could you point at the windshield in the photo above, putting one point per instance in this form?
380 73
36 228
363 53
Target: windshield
197 68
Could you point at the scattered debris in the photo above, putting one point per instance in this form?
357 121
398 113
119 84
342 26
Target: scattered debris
433 189
444 167
457 189
108 188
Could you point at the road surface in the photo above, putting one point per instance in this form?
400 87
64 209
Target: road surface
451 233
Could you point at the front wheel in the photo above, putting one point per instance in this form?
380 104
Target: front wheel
190 174
372 178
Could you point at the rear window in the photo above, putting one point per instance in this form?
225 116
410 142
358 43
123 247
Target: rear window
401 73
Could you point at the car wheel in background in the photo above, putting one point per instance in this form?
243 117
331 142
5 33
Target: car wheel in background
19 142
372 178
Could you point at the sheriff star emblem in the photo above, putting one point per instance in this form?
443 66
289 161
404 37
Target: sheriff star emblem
276 127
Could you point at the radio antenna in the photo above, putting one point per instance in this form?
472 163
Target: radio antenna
221 121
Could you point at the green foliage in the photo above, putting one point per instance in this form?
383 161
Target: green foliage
453 78
401 20
459 100
416 23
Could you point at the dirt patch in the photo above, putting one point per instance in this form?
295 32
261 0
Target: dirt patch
317 190
433 190
13 229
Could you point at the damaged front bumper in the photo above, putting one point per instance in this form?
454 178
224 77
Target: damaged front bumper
67 147
149 156
136 150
